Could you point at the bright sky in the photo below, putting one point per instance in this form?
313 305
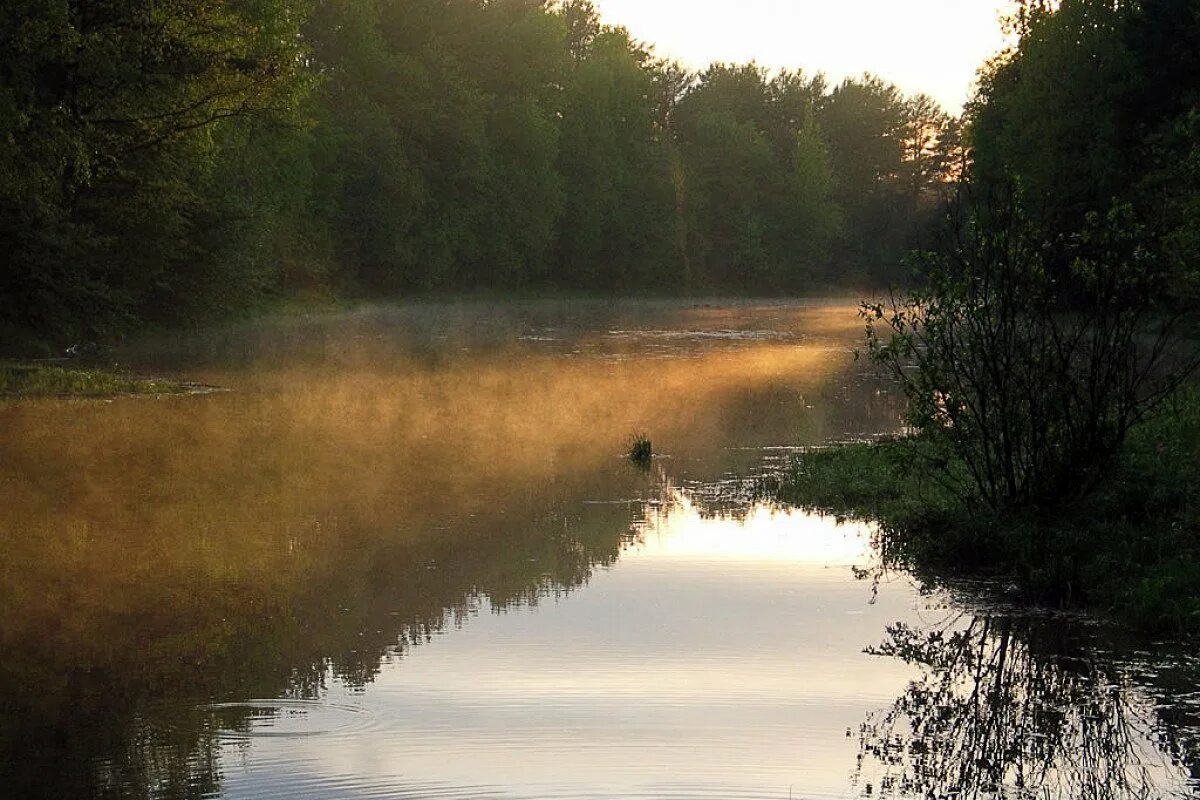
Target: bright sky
931 46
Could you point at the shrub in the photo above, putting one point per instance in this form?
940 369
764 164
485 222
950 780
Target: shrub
1028 361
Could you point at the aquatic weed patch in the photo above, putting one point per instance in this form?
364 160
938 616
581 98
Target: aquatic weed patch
641 450
42 380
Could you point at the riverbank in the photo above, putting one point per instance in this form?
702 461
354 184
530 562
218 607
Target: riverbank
35 380
1132 550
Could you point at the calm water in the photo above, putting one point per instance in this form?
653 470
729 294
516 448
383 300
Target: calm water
403 557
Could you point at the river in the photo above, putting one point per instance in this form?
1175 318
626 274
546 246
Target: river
402 555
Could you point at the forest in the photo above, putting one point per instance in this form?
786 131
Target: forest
1048 353
165 163
1095 112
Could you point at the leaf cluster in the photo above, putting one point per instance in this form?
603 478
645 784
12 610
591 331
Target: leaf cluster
1029 374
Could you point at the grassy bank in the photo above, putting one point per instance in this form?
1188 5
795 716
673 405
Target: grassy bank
19 380
1132 550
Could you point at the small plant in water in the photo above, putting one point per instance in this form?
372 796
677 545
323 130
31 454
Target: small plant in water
640 449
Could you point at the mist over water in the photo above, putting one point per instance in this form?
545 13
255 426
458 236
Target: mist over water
404 556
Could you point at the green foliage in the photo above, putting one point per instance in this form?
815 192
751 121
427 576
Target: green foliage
1042 356
1132 549
29 380
1071 161
113 110
872 480
891 156
775 172
1094 109
616 230
1029 378
168 163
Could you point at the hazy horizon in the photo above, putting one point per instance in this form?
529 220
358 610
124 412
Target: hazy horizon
929 46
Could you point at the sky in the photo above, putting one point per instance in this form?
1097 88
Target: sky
930 46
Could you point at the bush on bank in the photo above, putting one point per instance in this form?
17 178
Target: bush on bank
1131 549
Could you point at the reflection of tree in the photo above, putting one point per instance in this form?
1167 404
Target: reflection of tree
1012 708
116 708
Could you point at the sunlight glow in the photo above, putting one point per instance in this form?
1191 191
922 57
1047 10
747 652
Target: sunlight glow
791 536
929 46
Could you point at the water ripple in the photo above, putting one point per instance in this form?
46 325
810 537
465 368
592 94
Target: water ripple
254 719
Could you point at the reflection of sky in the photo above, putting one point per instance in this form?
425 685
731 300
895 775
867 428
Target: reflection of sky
716 659
765 535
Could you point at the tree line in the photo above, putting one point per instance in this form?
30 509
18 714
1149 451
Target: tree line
1057 312
164 162
1095 112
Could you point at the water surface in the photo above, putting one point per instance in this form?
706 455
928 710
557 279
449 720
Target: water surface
403 557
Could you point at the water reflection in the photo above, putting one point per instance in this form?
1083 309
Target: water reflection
136 707
675 674
362 572
1013 706
371 480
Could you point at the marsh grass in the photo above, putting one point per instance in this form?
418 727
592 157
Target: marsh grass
1132 549
19 380
641 450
